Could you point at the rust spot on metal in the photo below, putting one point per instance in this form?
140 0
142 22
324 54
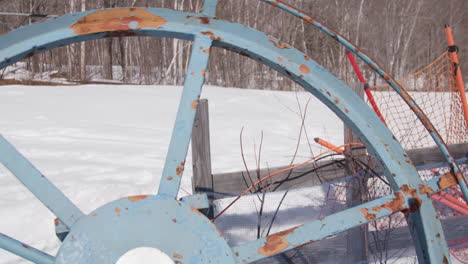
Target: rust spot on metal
346 110
396 204
377 209
276 242
203 72
170 178
303 244
196 211
425 189
307 57
117 210
304 69
207 51
25 246
137 198
279 44
217 230
447 180
416 202
174 220
177 256
445 260
212 36
369 217
280 59
194 104
56 221
118 19
203 20
336 101
179 169
94 214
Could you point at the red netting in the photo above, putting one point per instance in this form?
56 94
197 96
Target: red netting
434 90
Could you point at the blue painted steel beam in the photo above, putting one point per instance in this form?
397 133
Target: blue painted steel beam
197 201
209 8
38 184
25 251
181 134
319 229
397 87
396 165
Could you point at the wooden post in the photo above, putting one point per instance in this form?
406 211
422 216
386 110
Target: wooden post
356 249
202 180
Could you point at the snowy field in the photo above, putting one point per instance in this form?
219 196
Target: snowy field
100 143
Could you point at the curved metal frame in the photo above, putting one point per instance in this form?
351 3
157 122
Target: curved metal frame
410 193
393 83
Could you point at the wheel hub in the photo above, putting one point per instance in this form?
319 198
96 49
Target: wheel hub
159 222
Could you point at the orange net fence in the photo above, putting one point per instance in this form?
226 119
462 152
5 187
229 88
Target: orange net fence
434 89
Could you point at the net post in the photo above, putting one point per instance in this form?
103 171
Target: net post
458 74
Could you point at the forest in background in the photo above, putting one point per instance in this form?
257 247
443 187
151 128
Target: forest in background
402 35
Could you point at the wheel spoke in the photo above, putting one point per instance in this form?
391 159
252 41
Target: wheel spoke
319 229
38 184
25 251
178 147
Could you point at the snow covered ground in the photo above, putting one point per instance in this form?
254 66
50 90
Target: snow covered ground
99 143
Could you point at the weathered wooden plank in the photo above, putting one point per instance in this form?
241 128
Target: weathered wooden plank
320 172
424 156
202 180
235 182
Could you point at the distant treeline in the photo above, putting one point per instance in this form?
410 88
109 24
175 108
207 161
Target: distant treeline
403 35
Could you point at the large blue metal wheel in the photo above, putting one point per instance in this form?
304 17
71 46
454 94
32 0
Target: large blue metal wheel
173 226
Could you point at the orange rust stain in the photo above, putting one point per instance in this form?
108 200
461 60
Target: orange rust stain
212 36
170 178
304 69
25 246
303 244
207 51
203 20
193 73
447 180
279 44
177 256
56 221
174 220
117 210
94 214
118 19
179 170
203 72
280 59
196 211
425 189
137 198
396 204
217 230
346 110
194 104
366 214
276 243
307 57
416 204
376 209
336 101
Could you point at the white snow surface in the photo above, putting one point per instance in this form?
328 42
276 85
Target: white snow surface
98 143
